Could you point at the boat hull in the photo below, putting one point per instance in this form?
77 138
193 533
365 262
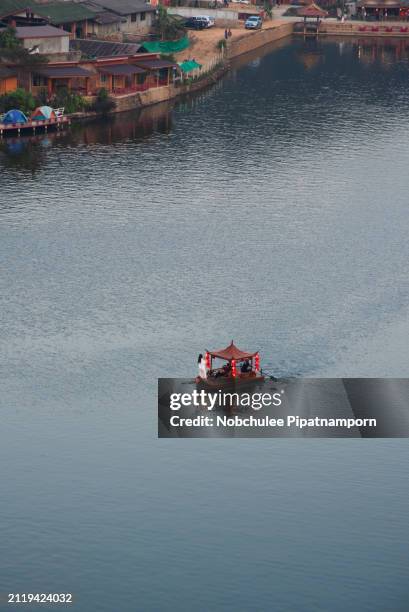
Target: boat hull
229 383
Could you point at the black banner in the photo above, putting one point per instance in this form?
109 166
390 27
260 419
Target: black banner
302 407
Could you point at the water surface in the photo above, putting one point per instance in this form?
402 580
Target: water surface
272 209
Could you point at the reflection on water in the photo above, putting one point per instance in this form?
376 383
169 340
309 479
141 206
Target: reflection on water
271 209
26 151
138 125
386 51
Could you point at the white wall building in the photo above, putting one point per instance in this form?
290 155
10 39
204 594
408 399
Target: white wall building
44 39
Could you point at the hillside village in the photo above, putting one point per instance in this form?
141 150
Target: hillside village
97 55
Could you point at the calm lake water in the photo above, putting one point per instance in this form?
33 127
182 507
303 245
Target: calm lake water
272 209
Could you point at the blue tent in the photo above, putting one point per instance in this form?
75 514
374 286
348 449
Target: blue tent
14 116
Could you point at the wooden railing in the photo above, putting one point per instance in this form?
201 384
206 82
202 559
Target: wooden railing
207 67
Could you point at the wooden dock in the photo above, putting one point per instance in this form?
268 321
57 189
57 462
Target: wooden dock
34 126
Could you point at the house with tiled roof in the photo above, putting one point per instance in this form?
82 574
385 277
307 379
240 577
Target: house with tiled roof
45 39
137 16
104 24
91 49
71 16
109 19
19 12
74 17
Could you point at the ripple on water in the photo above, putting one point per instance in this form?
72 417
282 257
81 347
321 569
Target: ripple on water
278 219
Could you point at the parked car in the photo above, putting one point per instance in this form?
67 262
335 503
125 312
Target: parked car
253 23
209 20
195 24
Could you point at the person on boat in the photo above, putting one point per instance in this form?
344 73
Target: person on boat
224 371
245 367
202 366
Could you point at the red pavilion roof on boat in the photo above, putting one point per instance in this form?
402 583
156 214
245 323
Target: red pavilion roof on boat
312 10
232 352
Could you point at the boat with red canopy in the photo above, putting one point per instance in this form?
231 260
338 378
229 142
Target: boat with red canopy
240 368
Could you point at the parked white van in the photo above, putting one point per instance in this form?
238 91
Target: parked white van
206 18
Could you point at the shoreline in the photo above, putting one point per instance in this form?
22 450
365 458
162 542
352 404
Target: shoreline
243 41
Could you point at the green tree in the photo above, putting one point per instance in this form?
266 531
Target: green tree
9 40
12 50
103 103
20 99
72 101
168 27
